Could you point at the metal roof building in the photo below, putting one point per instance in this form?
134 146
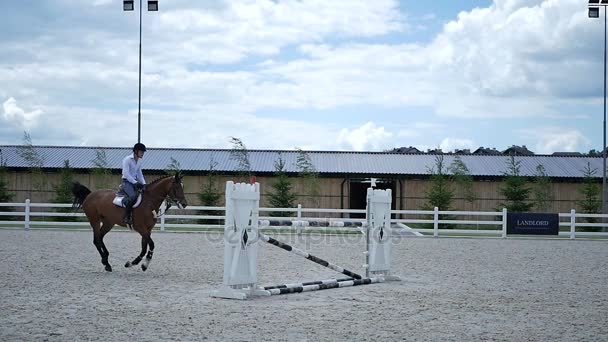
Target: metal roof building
326 162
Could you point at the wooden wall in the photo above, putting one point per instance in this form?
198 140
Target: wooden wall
334 191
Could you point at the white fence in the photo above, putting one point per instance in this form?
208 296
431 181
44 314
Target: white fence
44 215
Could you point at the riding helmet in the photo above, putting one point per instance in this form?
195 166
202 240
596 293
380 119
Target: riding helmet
139 147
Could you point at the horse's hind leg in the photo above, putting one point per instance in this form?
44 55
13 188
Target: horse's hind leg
101 247
144 248
105 228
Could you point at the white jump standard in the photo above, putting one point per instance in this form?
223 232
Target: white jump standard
378 254
240 248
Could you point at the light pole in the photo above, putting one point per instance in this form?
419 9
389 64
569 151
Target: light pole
594 12
129 5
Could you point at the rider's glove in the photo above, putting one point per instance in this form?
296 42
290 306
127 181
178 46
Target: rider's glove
139 186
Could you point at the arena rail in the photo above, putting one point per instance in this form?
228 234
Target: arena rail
28 215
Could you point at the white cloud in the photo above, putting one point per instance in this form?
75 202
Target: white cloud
513 55
205 61
102 2
451 144
17 116
241 28
365 138
515 58
551 139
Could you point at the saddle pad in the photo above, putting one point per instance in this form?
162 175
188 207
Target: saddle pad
118 201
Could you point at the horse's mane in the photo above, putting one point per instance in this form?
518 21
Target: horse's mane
159 179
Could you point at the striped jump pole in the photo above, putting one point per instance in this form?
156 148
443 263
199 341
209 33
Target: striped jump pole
308 256
320 285
327 281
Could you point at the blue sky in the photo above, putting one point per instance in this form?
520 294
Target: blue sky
319 75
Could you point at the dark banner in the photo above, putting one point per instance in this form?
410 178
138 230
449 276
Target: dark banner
532 224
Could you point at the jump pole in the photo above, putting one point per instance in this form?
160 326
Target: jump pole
318 282
321 285
308 256
354 280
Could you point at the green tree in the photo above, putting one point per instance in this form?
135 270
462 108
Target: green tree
209 194
101 169
590 192
34 160
63 192
281 197
173 168
440 193
463 179
541 190
309 173
514 188
240 154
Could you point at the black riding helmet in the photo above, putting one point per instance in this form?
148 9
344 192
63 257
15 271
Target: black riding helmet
139 147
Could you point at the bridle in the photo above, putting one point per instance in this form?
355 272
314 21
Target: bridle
172 198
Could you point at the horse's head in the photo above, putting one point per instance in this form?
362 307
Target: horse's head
176 192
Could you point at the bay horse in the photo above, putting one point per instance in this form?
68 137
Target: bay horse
103 214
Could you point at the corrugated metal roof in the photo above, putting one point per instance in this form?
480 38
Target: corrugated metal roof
373 163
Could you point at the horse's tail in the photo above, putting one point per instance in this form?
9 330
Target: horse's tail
80 193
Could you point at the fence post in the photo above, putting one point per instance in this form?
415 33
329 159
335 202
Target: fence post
299 216
504 223
162 221
27 214
436 222
572 224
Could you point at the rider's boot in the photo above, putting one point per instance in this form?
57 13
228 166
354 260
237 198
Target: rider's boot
128 219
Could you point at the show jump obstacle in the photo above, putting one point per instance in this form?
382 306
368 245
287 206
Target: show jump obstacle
241 238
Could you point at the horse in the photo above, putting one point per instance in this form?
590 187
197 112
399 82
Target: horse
103 214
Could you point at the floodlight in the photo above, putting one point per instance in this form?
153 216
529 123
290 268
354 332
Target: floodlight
128 5
153 5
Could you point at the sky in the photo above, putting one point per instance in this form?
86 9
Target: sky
337 75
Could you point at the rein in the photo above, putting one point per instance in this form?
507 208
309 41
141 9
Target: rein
167 199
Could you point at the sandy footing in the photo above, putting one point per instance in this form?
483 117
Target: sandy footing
54 288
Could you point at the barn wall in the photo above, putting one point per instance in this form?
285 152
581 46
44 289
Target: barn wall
409 193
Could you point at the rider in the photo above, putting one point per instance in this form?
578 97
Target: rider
132 179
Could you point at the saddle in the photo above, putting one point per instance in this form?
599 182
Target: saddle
120 196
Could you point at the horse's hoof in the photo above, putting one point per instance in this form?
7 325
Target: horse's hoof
108 268
144 268
128 264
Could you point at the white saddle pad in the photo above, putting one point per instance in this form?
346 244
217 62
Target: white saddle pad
118 201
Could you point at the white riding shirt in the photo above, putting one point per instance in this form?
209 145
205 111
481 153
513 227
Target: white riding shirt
131 170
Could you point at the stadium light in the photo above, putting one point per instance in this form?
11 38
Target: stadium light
594 12
129 5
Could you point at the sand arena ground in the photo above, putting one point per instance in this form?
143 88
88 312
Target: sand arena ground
54 288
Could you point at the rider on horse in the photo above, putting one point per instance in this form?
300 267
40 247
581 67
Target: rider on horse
132 179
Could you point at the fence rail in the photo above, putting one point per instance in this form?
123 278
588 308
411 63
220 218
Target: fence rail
29 215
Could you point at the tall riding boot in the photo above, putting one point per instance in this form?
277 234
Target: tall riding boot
128 213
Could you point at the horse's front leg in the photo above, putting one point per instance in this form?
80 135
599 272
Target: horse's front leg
144 248
148 259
